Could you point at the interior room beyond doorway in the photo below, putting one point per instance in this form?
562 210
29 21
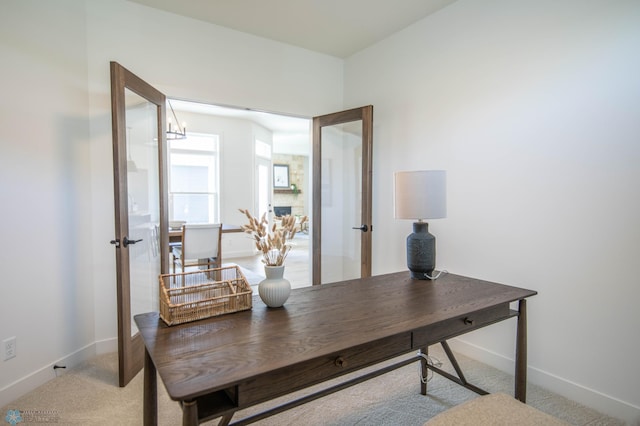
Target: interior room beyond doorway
247 140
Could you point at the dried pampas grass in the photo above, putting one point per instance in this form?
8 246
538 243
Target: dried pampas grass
272 243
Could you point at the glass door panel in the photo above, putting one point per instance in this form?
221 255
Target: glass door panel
341 206
143 204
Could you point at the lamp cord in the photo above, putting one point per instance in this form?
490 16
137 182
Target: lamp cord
437 276
430 360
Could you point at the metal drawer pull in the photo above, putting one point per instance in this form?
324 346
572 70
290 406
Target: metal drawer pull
468 321
340 362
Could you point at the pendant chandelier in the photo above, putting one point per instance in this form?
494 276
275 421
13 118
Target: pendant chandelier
177 132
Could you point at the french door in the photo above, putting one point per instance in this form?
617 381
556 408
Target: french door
140 188
342 195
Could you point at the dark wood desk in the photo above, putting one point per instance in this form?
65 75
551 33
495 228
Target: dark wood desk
217 366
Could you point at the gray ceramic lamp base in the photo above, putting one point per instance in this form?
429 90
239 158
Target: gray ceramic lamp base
421 252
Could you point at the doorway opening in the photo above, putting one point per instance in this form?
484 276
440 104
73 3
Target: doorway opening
251 143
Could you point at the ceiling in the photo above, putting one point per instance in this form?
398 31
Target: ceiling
280 124
335 27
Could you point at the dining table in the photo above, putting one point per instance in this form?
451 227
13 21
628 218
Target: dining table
175 234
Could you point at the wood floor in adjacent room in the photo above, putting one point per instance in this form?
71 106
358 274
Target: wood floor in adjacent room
297 265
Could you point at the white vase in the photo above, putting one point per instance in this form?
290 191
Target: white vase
274 290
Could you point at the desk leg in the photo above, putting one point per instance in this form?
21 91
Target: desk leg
521 353
190 413
225 420
423 370
150 393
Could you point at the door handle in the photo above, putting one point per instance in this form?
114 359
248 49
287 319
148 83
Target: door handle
363 228
127 241
115 243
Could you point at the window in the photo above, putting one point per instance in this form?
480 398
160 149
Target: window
194 179
263 149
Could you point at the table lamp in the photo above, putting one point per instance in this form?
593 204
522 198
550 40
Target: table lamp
420 195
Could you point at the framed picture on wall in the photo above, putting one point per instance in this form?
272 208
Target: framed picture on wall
280 176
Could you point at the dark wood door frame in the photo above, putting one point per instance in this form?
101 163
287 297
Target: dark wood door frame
366 115
131 348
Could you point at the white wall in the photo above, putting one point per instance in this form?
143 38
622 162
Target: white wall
46 289
58 288
533 108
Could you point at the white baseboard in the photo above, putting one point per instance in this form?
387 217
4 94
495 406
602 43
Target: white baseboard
588 397
106 346
30 382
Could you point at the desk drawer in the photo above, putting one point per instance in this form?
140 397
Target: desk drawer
447 329
320 369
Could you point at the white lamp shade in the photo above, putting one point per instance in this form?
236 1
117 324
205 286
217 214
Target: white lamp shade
420 194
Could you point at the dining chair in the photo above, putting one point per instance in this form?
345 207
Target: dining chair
201 246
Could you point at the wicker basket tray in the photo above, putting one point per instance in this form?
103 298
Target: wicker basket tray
190 296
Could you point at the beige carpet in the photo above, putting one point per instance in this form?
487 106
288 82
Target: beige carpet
89 395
